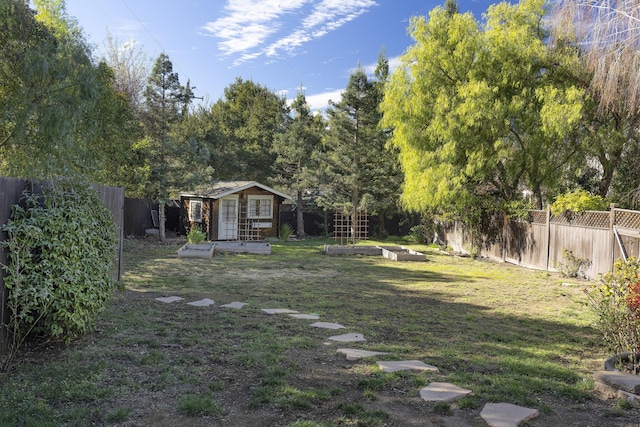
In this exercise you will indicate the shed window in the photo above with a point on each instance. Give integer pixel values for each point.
(195, 210)
(260, 207)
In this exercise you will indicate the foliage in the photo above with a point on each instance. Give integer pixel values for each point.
(615, 299)
(285, 231)
(572, 265)
(577, 201)
(196, 235)
(248, 118)
(60, 250)
(176, 159)
(295, 164)
(357, 168)
(480, 111)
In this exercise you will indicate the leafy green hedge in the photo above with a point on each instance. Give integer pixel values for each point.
(61, 250)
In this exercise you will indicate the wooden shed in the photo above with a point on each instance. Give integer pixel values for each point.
(234, 210)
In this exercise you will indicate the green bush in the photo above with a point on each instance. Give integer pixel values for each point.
(615, 298)
(577, 201)
(285, 231)
(195, 235)
(60, 252)
(572, 265)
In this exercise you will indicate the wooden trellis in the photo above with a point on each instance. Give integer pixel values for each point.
(350, 226)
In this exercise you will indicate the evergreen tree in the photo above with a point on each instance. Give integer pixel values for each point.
(294, 164)
(357, 169)
(171, 159)
(249, 118)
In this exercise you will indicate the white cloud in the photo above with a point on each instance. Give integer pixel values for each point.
(251, 29)
(320, 101)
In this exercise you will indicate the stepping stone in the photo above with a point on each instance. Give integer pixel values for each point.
(506, 414)
(328, 325)
(234, 304)
(355, 354)
(442, 392)
(406, 365)
(347, 338)
(169, 300)
(202, 303)
(278, 311)
(305, 316)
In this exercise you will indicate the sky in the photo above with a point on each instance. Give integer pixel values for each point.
(284, 45)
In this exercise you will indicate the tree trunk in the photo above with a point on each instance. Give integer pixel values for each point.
(161, 215)
(300, 217)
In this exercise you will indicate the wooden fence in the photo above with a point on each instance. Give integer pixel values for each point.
(10, 191)
(601, 237)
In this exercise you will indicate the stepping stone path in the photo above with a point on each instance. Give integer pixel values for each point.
(169, 300)
(305, 316)
(234, 304)
(278, 311)
(327, 325)
(355, 354)
(442, 392)
(347, 338)
(202, 303)
(406, 365)
(494, 414)
(506, 414)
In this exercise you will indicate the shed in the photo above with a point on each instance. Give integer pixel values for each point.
(234, 210)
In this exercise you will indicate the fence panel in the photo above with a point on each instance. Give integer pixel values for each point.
(541, 243)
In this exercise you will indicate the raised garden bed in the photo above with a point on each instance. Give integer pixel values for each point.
(201, 250)
(400, 253)
(395, 253)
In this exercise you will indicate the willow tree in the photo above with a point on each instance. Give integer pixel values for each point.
(478, 111)
(608, 34)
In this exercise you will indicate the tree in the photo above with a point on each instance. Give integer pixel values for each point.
(294, 148)
(174, 162)
(357, 169)
(605, 36)
(249, 117)
(47, 81)
(481, 113)
(130, 67)
(608, 34)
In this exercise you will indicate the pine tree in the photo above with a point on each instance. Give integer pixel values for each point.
(294, 164)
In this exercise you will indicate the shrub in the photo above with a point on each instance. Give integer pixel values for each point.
(572, 265)
(195, 235)
(615, 298)
(285, 231)
(60, 252)
(577, 201)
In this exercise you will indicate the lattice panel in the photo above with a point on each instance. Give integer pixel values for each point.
(627, 219)
(538, 217)
(350, 228)
(585, 219)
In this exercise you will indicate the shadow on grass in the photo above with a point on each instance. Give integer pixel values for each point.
(502, 332)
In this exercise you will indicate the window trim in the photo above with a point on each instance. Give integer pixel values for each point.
(192, 217)
(250, 212)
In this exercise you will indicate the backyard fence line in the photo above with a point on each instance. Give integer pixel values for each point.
(10, 191)
(599, 237)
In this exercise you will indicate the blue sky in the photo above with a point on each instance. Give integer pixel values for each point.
(281, 44)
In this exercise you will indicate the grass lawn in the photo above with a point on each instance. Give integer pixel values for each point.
(507, 333)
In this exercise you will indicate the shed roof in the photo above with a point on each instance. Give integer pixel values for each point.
(219, 189)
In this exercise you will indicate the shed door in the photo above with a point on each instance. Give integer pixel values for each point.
(228, 218)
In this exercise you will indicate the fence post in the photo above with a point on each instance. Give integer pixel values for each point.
(612, 223)
(548, 230)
